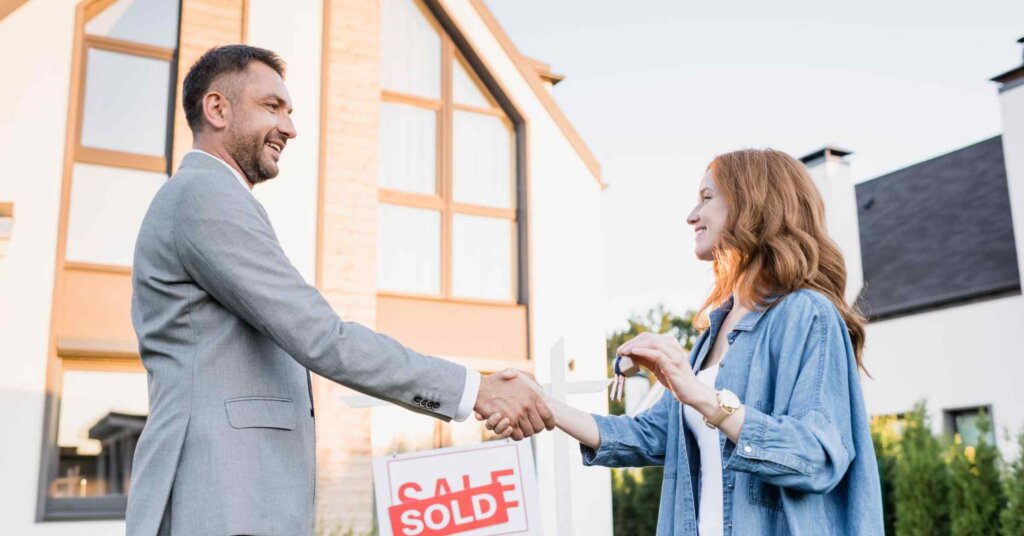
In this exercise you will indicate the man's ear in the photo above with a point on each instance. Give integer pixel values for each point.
(216, 109)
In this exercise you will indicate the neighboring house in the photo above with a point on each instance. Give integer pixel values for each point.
(941, 245)
(435, 192)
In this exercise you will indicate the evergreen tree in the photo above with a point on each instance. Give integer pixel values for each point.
(921, 487)
(885, 439)
(975, 492)
(1012, 516)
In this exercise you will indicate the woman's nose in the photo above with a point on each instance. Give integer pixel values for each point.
(693, 218)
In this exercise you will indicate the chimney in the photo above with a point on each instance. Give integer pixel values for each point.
(1011, 101)
(830, 170)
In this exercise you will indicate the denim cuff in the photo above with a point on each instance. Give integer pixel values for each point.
(609, 442)
(748, 446)
(750, 452)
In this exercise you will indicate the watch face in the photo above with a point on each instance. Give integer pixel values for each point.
(729, 399)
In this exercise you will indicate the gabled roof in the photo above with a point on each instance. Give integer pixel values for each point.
(937, 233)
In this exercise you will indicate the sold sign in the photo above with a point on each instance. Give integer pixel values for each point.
(486, 489)
(451, 513)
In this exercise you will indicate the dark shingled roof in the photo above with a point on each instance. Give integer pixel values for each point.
(937, 233)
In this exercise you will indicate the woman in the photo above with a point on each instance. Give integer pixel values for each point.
(770, 434)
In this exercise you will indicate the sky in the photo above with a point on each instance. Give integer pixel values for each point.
(657, 89)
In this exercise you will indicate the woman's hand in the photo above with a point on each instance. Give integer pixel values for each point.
(668, 360)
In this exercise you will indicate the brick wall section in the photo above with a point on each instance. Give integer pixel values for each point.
(204, 25)
(348, 245)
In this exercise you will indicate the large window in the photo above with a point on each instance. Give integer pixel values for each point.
(119, 141)
(447, 222)
(123, 129)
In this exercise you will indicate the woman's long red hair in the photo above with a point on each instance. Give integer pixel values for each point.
(775, 241)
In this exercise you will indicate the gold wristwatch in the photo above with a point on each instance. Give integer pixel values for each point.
(728, 403)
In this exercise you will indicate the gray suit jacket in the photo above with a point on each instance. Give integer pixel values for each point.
(227, 330)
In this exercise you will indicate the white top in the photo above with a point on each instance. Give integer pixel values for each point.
(709, 512)
(470, 389)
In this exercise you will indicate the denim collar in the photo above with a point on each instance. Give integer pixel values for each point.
(749, 320)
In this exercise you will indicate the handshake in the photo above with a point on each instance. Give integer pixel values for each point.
(513, 404)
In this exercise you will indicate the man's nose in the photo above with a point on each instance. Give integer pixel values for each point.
(287, 127)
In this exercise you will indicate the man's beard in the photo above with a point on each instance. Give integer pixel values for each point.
(247, 150)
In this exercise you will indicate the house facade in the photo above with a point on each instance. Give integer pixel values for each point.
(936, 253)
(435, 192)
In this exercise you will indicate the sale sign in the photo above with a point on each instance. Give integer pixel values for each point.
(488, 489)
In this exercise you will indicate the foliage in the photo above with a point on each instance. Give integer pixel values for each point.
(885, 436)
(921, 486)
(1011, 518)
(975, 492)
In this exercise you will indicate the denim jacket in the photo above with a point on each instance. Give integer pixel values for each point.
(804, 462)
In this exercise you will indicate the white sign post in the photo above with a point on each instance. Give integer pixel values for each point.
(486, 489)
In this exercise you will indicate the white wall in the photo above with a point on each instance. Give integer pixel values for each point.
(290, 198)
(969, 355)
(832, 177)
(567, 263)
(32, 129)
(1012, 103)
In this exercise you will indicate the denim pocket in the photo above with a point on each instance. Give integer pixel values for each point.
(760, 492)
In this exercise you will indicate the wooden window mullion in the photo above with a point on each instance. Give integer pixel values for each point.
(446, 147)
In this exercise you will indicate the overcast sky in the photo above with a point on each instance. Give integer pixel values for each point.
(657, 89)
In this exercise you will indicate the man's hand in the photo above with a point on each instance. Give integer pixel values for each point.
(513, 405)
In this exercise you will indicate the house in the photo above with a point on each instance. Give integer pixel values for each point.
(435, 192)
(939, 249)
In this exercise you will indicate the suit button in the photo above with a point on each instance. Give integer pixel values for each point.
(437, 405)
(417, 400)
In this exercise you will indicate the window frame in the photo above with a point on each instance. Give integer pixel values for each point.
(77, 356)
(949, 416)
(455, 49)
(92, 355)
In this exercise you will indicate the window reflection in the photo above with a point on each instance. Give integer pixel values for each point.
(102, 414)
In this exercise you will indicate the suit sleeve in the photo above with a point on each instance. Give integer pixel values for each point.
(231, 251)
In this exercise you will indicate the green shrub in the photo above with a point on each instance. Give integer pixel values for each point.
(1012, 517)
(921, 487)
(885, 436)
(975, 492)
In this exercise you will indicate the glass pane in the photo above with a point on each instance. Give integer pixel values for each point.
(481, 257)
(153, 22)
(967, 427)
(126, 103)
(395, 430)
(107, 207)
(409, 250)
(482, 160)
(408, 148)
(101, 417)
(410, 50)
(469, 432)
(465, 89)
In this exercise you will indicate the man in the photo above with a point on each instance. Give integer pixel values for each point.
(228, 331)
